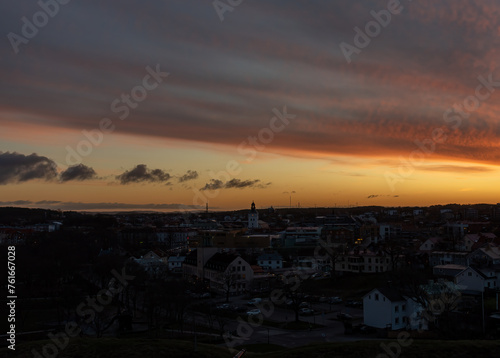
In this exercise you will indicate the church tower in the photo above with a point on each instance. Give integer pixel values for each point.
(253, 217)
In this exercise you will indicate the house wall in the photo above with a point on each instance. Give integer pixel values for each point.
(379, 313)
(471, 280)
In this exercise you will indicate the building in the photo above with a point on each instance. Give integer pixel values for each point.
(301, 236)
(388, 308)
(389, 232)
(271, 261)
(448, 257)
(175, 263)
(253, 217)
(430, 244)
(222, 271)
(363, 261)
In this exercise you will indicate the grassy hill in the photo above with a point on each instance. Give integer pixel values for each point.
(156, 348)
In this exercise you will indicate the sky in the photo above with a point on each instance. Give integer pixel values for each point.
(168, 105)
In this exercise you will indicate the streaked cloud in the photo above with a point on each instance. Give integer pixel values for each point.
(457, 168)
(234, 183)
(69, 205)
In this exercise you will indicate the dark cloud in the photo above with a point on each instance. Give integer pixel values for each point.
(378, 196)
(17, 168)
(240, 184)
(215, 184)
(141, 173)
(78, 172)
(48, 202)
(16, 202)
(190, 175)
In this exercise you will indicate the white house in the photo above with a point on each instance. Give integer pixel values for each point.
(219, 269)
(485, 256)
(175, 263)
(387, 308)
(430, 244)
(154, 263)
(471, 279)
(270, 261)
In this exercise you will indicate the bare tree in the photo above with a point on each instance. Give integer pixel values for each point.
(228, 280)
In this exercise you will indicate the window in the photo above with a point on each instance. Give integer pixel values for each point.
(239, 268)
(396, 321)
(369, 297)
(396, 308)
(233, 268)
(243, 276)
(369, 260)
(269, 262)
(403, 308)
(243, 268)
(376, 297)
(469, 273)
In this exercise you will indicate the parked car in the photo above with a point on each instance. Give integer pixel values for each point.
(223, 306)
(304, 305)
(306, 312)
(363, 328)
(344, 316)
(253, 312)
(323, 299)
(352, 303)
(254, 301)
(238, 309)
(205, 295)
(367, 329)
(335, 300)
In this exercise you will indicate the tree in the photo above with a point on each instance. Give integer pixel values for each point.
(328, 251)
(293, 290)
(228, 280)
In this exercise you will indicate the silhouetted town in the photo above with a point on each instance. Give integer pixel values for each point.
(338, 273)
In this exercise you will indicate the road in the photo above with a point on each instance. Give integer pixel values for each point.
(251, 330)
